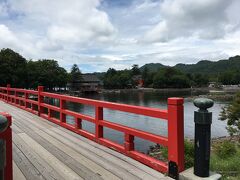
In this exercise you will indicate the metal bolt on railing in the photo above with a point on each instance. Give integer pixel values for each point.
(203, 121)
(3, 127)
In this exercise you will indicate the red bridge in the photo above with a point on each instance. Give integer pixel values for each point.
(50, 149)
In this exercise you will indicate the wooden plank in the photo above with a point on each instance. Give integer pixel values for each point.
(113, 168)
(16, 112)
(25, 165)
(35, 124)
(17, 173)
(139, 165)
(79, 157)
(148, 173)
(16, 129)
(107, 163)
(43, 167)
(89, 163)
(74, 165)
(61, 168)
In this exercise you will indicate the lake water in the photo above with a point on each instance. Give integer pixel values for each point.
(153, 125)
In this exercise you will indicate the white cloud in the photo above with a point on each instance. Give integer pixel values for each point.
(203, 19)
(7, 37)
(97, 37)
(60, 23)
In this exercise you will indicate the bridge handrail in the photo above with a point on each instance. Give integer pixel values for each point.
(6, 136)
(173, 114)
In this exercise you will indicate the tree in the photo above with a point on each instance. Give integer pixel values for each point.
(230, 77)
(170, 78)
(231, 113)
(47, 73)
(13, 68)
(135, 70)
(117, 79)
(200, 80)
(75, 75)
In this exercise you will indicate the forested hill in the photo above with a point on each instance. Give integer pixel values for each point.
(153, 67)
(203, 67)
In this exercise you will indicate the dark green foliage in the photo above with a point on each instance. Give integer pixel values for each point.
(231, 113)
(230, 77)
(47, 73)
(225, 159)
(188, 153)
(225, 149)
(147, 77)
(135, 70)
(13, 68)
(153, 67)
(117, 79)
(19, 72)
(222, 71)
(199, 80)
(164, 78)
(75, 74)
(211, 67)
(170, 78)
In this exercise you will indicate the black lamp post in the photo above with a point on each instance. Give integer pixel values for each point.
(203, 121)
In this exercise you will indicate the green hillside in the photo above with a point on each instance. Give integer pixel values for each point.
(153, 67)
(211, 67)
(204, 66)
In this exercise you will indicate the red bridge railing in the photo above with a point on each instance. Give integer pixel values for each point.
(173, 114)
(6, 171)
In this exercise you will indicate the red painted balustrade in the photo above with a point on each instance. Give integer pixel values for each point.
(22, 98)
(6, 135)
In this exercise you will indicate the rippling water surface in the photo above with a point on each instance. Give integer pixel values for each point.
(153, 125)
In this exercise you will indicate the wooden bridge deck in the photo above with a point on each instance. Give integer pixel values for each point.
(44, 150)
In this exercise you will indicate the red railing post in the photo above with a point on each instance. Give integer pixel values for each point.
(26, 98)
(78, 123)
(8, 91)
(40, 100)
(174, 116)
(62, 107)
(98, 117)
(175, 135)
(16, 100)
(7, 137)
(129, 142)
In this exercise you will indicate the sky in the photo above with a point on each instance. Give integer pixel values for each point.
(99, 34)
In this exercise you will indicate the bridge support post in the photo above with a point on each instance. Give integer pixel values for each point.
(98, 117)
(6, 171)
(175, 137)
(8, 91)
(62, 107)
(26, 98)
(129, 142)
(203, 120)
(40, 100)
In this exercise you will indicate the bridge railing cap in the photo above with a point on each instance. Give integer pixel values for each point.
(203, 103)
(175, 101)
(3, 123)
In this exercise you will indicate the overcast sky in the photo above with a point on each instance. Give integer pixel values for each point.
(98, 34)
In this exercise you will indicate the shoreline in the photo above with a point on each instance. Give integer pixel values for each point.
(204, 89)
(156, 151)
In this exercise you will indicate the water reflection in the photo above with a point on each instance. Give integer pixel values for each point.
(153, 125)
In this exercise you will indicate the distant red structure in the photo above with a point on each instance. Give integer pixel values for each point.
(173, 115)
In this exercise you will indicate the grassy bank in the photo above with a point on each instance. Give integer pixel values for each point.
(225, 159)
(225, 156)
